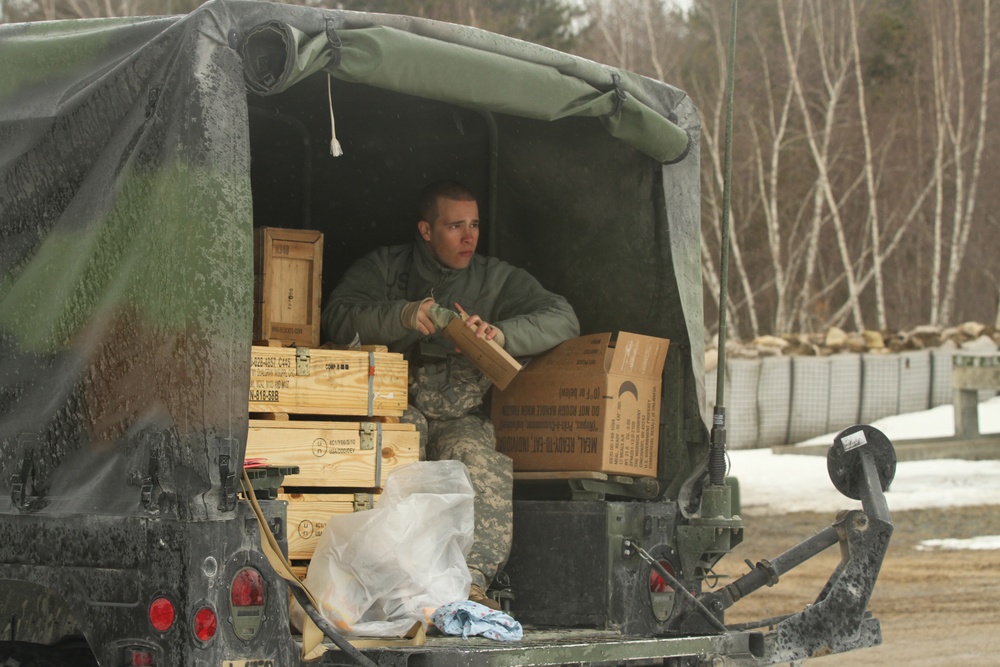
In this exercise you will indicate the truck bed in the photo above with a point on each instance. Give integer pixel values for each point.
(541, 646)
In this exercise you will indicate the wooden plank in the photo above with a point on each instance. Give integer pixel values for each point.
(308, 516)
(486, 355)
(270, 343)
(559, 474)
(327, 382)
(334, 454)
(271, 416)
(287, 285)
(284, 416)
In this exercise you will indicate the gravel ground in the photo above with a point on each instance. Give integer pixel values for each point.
(936, 607)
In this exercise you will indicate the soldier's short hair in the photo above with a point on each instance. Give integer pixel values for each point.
(427, 202)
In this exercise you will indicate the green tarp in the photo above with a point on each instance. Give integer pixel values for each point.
(126, 215)
(429, 68)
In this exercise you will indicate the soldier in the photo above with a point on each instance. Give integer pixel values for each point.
(395, 295)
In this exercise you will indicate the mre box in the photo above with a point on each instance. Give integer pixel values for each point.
(590, 404)
(287, 267)
(306, 381)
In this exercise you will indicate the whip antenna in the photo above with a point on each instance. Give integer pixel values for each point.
(717, 457)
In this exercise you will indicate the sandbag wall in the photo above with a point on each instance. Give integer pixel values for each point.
(779, 400)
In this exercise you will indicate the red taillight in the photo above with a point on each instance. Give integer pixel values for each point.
(142, 658)
(161, 616)
(247, 597)
(247, 589)
(205, 624)
(657, 584)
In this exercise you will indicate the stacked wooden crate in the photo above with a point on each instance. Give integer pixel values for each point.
(331, 413)
(287, 270)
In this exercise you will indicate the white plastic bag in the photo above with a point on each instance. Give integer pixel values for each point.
(377, 570)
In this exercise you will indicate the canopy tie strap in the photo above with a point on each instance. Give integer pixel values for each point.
(335, 148)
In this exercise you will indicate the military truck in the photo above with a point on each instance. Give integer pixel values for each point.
(138, 155)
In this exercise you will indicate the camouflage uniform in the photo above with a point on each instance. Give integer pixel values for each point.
(472, 440)
(449, 395)
(446, 391)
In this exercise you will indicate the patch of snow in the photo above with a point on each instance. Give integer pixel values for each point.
(773, 484)
(984, 543)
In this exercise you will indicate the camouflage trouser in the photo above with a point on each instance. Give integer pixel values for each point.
(472, 440)
(445, 399)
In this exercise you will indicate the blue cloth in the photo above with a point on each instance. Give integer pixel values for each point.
(468, 618)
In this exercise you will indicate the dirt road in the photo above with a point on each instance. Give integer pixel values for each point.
(936, 607)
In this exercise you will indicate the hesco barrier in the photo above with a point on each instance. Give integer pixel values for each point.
(784, 400)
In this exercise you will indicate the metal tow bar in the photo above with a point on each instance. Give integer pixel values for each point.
(861, 464)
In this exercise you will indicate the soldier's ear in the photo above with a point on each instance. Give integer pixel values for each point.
(425, 230)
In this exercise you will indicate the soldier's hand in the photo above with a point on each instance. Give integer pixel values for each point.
(416, 315)
(483, 329)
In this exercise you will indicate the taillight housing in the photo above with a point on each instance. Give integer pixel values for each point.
(129, 653)
(247, 596)
(657, 584)
(162, 614)
(205, 623)
(138, 657)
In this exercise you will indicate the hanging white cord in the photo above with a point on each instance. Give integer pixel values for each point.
(335, 149)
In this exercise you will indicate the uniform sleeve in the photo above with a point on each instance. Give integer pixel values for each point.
(533, 319)
(361, 305)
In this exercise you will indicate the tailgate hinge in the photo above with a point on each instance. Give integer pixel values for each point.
(227, 477)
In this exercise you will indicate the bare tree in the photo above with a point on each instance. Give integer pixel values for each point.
(713, 142)
(781, 239)
(835, 62)
(956, 118)
(873, 221)
(836, 185)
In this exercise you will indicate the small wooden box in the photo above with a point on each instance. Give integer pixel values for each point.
(334, 454)
(486, 355)
(288, 268)
(309, 513)
(327, 382)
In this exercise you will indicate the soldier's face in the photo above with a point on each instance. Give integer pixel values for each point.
(452, 238)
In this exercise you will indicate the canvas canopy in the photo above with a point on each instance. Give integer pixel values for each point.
(276, 55)
(127, 208)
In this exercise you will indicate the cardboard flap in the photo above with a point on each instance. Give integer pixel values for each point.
(577, 354)
(638, 355)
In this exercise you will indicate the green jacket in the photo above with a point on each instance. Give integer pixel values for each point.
(370, 297)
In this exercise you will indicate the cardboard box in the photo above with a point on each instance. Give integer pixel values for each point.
(334, 454)
(327, 382)
(309, 513)
(288, 268)
(590, 404)
(486, 355)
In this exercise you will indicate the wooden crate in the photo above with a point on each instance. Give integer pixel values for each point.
(309, 513)
(327, 382)
(334, 454)
(486, 355)
(288, 267)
